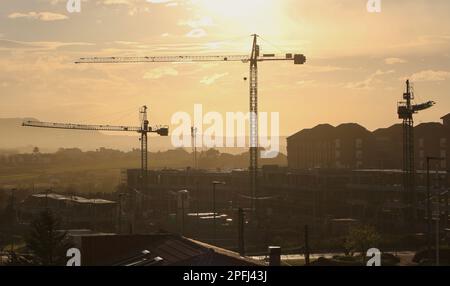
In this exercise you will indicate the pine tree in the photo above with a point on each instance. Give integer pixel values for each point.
(46, 242)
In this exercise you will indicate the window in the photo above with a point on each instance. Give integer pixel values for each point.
(359, 154)
(359, 164)
(337, 154)
(421, 142)
(337, 143)
(359, 143)
(421, 154)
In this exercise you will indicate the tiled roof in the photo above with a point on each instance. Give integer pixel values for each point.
(171, 250)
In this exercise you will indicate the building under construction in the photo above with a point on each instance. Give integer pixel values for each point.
(351, 146)
(333, 173)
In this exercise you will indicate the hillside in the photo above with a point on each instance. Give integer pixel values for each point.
(16, 138)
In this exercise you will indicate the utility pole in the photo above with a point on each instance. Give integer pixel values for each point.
(13, 217)
(428, 208)
(429, 213)
(437, 226)
(46, 198)
(119, 217)
(241, 227)
(214, 183)
(446, 209)
(306, 246)
(194, 145)
(121, 195)
(182, 215)
(181, 196)
(438, 218)
(197, 201)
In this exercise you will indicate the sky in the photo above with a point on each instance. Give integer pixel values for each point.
(357, 61)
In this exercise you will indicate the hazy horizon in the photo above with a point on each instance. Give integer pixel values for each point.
(356, 61)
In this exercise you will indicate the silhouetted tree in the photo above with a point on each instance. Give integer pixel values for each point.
(36, 150)
(48, 245)
(361, 238)
(17, 260)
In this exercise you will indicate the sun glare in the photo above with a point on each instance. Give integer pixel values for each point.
(236, 8)
(243, 16)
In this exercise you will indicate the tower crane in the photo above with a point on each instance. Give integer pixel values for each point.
(406, 109)
(143, 130)
(253, 59)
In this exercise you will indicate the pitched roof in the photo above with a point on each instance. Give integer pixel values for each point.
(160, 249)
(445, 116)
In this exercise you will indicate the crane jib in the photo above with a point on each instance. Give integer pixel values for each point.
(297, 58)
(160, 130)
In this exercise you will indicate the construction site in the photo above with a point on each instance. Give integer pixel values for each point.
(336, 178)
(326, 146)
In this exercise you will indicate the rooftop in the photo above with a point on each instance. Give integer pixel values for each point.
(76, 199)
(157, 249)
(447, 116)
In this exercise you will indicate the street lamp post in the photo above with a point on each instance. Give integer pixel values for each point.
(121, 210)
(214, 183)
(437, 227)
(429, 214)
(183, 194)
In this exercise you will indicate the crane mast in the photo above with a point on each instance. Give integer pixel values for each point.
(406, 110)
(253, 59)
(253, 168)
(144, 146)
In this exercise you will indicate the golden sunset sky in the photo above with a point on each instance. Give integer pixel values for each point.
(357, 61)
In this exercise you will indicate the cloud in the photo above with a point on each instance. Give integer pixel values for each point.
(425, 41)
(172, 4)
(430, 75)
(127, 43)
(42, 16)
(6, 44)
(196, 33)
(160, 72)
(208, 80)
(116, 2)
(168, 3)
(323, 69)
(55, 2)
(160, 1)
(197, 23)
(133, 6)
(306, 82)
(369, 81)
(393, 61)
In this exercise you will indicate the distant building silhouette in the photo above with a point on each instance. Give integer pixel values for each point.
(351, 146)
